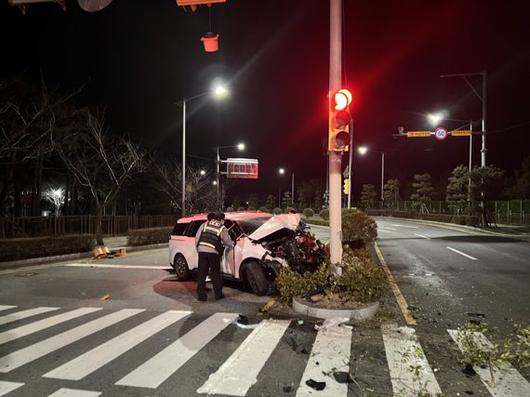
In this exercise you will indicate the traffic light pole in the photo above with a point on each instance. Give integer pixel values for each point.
(350, 160)
(335, 160)
(217, 179)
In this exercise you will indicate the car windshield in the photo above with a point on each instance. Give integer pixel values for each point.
(249, 225)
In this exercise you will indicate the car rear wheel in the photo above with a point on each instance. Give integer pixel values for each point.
(182, 271)
(256, 278)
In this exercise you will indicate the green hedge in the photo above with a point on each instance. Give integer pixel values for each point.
(33, 247)
(324, 214)
(309, 213)
(154, 235)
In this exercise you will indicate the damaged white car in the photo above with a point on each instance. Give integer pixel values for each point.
(263, 245)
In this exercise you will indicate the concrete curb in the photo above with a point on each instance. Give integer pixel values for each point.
(70, 257)
(311, 310)
(460, 228)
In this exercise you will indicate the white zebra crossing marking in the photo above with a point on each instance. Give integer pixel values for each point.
(65, 392)
(6, 307)
(240, 371)
(39, 349)
(94, 359)
(330, 353)
(9, 318)
(36, 326)
(156, 370)
(508, 381)
(410, 372)
(7, 387)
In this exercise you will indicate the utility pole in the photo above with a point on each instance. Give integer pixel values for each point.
(382, 178)
(217, 178)
(483, 149)
(183, 157)
(335, 160)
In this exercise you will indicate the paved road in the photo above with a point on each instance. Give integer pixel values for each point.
(447, 274)
(151, 338)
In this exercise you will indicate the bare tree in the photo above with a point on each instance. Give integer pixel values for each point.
(56, 196)
(200, 193)
(100, 163)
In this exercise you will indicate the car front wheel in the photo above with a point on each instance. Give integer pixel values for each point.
(182, 271)
(256, 278)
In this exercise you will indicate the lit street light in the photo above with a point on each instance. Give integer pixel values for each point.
(218, 91)
(203, 172)
(281, 171)
(362, 151)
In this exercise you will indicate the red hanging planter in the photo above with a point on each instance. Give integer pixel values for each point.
(210, 41)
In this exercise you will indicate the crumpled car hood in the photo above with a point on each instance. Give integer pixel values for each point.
(277, 222)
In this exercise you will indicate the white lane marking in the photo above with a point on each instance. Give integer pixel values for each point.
(462, 253)
(9, 318)
(410, 372)
(65, 392)
(109, 266)
(94, 359)
(36, 326)
(46, 346)
(508, 381)
(405, 226)
(6, 307)
(387, 228)
(7, 387)
(330, 353)
(156, 370)
(422, 236)
(240, 371)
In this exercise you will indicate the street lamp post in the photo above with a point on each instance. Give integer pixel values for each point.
(362, 151)
(483, 99)
(240, 147)
(281, 171)
(218, 91)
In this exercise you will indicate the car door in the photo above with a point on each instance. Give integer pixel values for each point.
(189, 250)
(232, 257)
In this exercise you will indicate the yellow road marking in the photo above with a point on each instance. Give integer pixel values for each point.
(402, 303)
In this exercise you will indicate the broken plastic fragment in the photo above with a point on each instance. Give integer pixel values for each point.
(342, 377)
(105, 297)
(331, 323)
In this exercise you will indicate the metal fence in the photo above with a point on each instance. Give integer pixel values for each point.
(508, 212)
(112, 225)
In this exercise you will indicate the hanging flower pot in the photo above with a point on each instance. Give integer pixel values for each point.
(210, 41)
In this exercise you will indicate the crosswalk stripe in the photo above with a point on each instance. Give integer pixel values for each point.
(94, 359)
(240, 371)
(508, 382)
(40, 349)
(65, 392)
(36, 326)
(330, 353)
(6, 307)
(7, 387)
(410, 372)
(9, 318)
(156, 370)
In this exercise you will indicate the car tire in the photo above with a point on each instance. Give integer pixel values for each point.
(255, 278)
(182, 271)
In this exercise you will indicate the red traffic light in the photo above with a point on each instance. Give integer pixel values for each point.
(342, 99)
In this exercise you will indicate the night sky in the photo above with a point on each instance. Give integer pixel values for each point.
(138, 57)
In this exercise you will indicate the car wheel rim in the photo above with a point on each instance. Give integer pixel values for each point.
(180, 267)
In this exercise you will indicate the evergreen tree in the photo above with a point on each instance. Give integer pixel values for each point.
(521, 187)
(423, 191)
(286, 200)
(391, 193)
(368, 196)
(271, 202)
(253, 201)
(457, 190)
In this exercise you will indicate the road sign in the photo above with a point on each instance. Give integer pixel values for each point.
(241, 168)
(418, 134)
(440, 134)
(461, 133)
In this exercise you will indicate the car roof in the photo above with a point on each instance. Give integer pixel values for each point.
(233, 216)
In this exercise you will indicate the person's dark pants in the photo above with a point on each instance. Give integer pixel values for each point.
(209, 263)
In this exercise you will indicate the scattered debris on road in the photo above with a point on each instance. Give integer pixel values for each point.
(331, 323)
(25, 274)
(342, 377)
(105, 297)
(315, 385)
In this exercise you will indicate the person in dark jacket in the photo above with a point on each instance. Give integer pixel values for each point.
(211, 240)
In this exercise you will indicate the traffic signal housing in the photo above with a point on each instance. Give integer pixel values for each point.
(339, 121)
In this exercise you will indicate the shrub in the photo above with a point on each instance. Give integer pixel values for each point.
(264, 209)
(287, 209)
(324, 214)
(148, 236)
(309, 213)
(230, 209)
(32, 247)
(356, 225)
(292, 284)
(277, 211)
(363, 279)
(241, 209)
